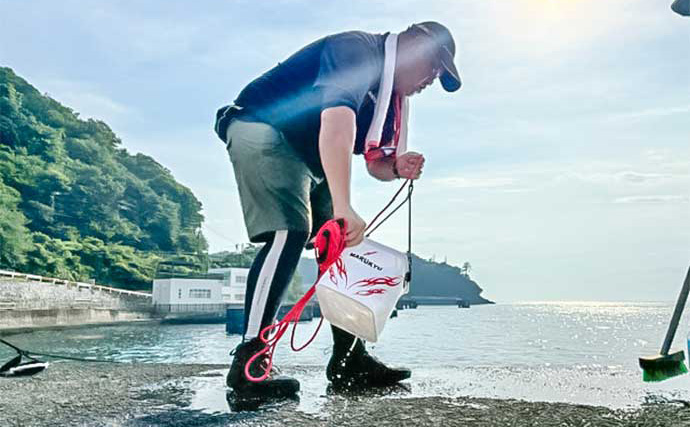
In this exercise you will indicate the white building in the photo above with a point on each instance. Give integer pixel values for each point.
(187, 292)
(235, 283)
(207, 294)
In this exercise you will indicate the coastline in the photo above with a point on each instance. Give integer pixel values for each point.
(9, 331)
(164, 394)
(29, 320)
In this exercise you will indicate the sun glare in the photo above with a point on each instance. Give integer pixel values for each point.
(544, 26)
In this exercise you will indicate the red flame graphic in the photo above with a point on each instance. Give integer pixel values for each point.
(375, 281)
(342, 272)
(340, 265)
(331, 275)
(367, 289)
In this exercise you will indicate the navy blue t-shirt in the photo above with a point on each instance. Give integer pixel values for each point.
(338, 70)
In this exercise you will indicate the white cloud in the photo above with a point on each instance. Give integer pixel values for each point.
(650, 113)
(610, 174)
(87, 100)
(653, 199)
(518, 190)
(474, 182)
(657, 154)
(638, 177)
(141, 36)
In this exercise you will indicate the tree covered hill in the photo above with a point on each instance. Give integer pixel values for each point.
(439, 279)
(75, 204)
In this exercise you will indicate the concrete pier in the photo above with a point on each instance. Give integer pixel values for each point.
(134, 395)
(33, 302)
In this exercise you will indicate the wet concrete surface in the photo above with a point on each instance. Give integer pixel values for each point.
(78, 394)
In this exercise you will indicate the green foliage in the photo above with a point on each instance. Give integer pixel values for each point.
(241, 258)
(75, 204)
(14, 236)
(466, 267)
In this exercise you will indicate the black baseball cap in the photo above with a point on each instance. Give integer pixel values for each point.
(681, 7)
(450, 79)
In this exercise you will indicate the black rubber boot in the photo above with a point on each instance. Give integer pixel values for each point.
(274, 387)
(351, 366)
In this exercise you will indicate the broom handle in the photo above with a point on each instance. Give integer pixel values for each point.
(677, 313)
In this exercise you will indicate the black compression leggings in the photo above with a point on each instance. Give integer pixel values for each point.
(269, 277)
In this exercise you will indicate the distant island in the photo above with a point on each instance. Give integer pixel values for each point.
(430, 279)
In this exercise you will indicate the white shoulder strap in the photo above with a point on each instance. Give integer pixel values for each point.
(384, 94)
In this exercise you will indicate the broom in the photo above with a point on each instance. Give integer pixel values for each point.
(664, 365)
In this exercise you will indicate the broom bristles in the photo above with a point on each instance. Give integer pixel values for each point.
(664, 371)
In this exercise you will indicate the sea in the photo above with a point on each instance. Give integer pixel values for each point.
(574, 352)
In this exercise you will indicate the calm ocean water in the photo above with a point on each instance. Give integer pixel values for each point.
(557, 352)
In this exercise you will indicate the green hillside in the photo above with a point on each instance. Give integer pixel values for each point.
(75, 204)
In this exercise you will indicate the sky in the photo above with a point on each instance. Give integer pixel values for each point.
(560, 171)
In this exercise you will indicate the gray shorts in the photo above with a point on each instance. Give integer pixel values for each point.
(277, 189)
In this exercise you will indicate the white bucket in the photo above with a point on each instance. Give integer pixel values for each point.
(359, 291)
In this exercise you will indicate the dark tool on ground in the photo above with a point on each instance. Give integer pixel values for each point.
(19, 368)
(33, 366)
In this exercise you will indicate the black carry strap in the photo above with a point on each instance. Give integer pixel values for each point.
(408, 199)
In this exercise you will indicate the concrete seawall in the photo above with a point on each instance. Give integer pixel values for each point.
(31, 304)
(19, 319)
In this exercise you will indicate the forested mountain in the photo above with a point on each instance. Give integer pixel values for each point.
(75, 204)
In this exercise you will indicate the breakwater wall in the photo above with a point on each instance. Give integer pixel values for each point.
(26, 319)
(31, 303)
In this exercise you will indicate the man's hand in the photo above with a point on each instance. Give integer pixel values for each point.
(355, 225)
(410, 165)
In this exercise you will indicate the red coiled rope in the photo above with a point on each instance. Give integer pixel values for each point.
(328, 245)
